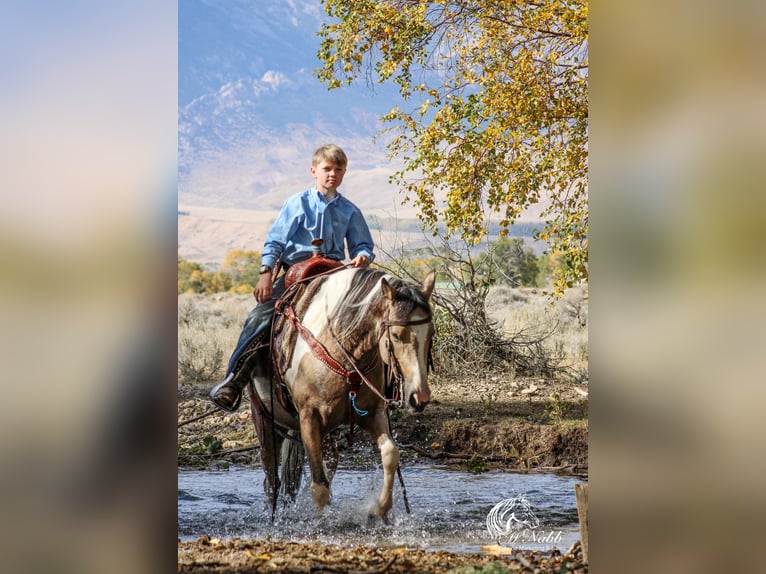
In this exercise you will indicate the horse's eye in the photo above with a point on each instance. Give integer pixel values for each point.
(396, 337)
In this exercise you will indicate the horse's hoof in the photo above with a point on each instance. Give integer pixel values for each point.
(373, 518)
(320, 494)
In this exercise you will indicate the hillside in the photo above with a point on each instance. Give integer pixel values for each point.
(207, 234)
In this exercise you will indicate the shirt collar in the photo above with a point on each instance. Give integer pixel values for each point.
(321, 198)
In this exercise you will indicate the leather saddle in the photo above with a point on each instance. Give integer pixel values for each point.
(311, 267)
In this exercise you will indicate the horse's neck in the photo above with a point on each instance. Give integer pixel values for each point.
(363, 340)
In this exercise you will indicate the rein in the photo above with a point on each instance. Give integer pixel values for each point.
(355, 376)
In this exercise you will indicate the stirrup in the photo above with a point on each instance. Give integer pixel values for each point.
(227, 382)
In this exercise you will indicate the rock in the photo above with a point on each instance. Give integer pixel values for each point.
(531, 390)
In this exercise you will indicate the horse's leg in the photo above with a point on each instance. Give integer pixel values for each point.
(389, 455)
(312, 443)
(269, 446)
(330, 454)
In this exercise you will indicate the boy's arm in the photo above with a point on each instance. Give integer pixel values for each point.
(360, 261)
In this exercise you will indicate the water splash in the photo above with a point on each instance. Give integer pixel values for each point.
(449, 508)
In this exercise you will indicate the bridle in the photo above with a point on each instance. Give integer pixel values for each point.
(395, 376)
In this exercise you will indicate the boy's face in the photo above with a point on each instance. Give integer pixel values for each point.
(329, 176)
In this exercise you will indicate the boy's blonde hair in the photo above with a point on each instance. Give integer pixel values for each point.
(330, 153)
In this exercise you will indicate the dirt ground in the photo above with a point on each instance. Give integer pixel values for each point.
(528, 425)
(250, 556)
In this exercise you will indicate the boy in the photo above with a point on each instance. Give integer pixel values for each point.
(317, 213)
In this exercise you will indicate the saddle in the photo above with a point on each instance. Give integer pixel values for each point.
(311, 267)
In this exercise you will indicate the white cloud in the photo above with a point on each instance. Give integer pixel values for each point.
(228, 95)
(293, 17)
(274, 79)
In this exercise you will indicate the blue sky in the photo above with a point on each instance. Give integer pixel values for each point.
(251, 112)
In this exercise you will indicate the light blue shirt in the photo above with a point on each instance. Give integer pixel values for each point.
(308, 215)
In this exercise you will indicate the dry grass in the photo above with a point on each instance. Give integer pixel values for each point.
(209, 326)
(520, 310)
(208, 329)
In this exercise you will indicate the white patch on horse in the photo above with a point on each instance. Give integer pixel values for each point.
(325, 302)
(323, 305)
(421, 336)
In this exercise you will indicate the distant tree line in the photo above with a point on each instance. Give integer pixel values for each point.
(507, 261)
(238, 274)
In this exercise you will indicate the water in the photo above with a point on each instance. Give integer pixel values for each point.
(449, 509)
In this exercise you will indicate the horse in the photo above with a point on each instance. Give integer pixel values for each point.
(335, 339)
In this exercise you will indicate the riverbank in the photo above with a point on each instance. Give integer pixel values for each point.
(522, 425)
(250, 556)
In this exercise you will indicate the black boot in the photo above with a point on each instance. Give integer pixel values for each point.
(227, 394)
(253, 344)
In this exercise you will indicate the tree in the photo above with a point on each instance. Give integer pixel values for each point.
(219, 281)
(190, 277)
(497, 108)
(244, 267)
(193, 278)
(467, 340)
(509, 261)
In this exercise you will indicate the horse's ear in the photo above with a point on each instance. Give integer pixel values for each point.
(388, 291)
(428, 284)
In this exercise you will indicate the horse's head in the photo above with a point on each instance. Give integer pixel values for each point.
(523, 514)
(406, 343)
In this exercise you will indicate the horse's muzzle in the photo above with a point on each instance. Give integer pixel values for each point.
(419, 400)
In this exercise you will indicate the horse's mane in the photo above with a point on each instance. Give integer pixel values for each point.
(364, 293)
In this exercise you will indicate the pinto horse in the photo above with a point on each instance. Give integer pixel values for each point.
(336, 338)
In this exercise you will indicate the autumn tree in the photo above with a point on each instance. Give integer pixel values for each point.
(244, 267)
(191, 277)
(494, 117)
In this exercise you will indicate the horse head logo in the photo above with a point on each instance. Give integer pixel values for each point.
(510, 515)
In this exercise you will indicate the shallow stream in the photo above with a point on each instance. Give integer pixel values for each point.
(449, 509)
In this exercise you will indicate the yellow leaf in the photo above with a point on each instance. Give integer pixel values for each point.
(496, 549)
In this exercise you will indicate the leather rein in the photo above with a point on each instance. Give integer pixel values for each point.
(393, 363)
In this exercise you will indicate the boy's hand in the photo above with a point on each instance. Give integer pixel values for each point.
(263, 289)
(360, 261)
